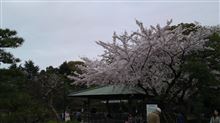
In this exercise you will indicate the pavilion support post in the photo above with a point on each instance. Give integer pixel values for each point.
(144, 112)
(107, 105)
(88, 115)
(108, 111)
(129, 105)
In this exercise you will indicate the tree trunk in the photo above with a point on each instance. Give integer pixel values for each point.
(54, 110)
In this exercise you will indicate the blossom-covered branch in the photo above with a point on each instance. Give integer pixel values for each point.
(150, 58)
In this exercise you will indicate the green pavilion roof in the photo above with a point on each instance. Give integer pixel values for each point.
(109, 90)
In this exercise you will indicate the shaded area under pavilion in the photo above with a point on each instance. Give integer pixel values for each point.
(114, 97)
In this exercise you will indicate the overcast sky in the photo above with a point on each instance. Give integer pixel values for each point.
(55, 32)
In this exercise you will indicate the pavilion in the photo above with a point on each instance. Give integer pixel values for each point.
(116, 94)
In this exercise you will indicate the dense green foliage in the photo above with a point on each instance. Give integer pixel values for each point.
(16, 103)
(205, 67)
(29, 95)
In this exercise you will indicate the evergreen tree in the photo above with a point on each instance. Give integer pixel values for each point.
(8, 39)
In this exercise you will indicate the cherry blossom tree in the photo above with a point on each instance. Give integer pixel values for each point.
(151, 58)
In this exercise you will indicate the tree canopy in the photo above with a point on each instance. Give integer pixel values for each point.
(152, 58)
